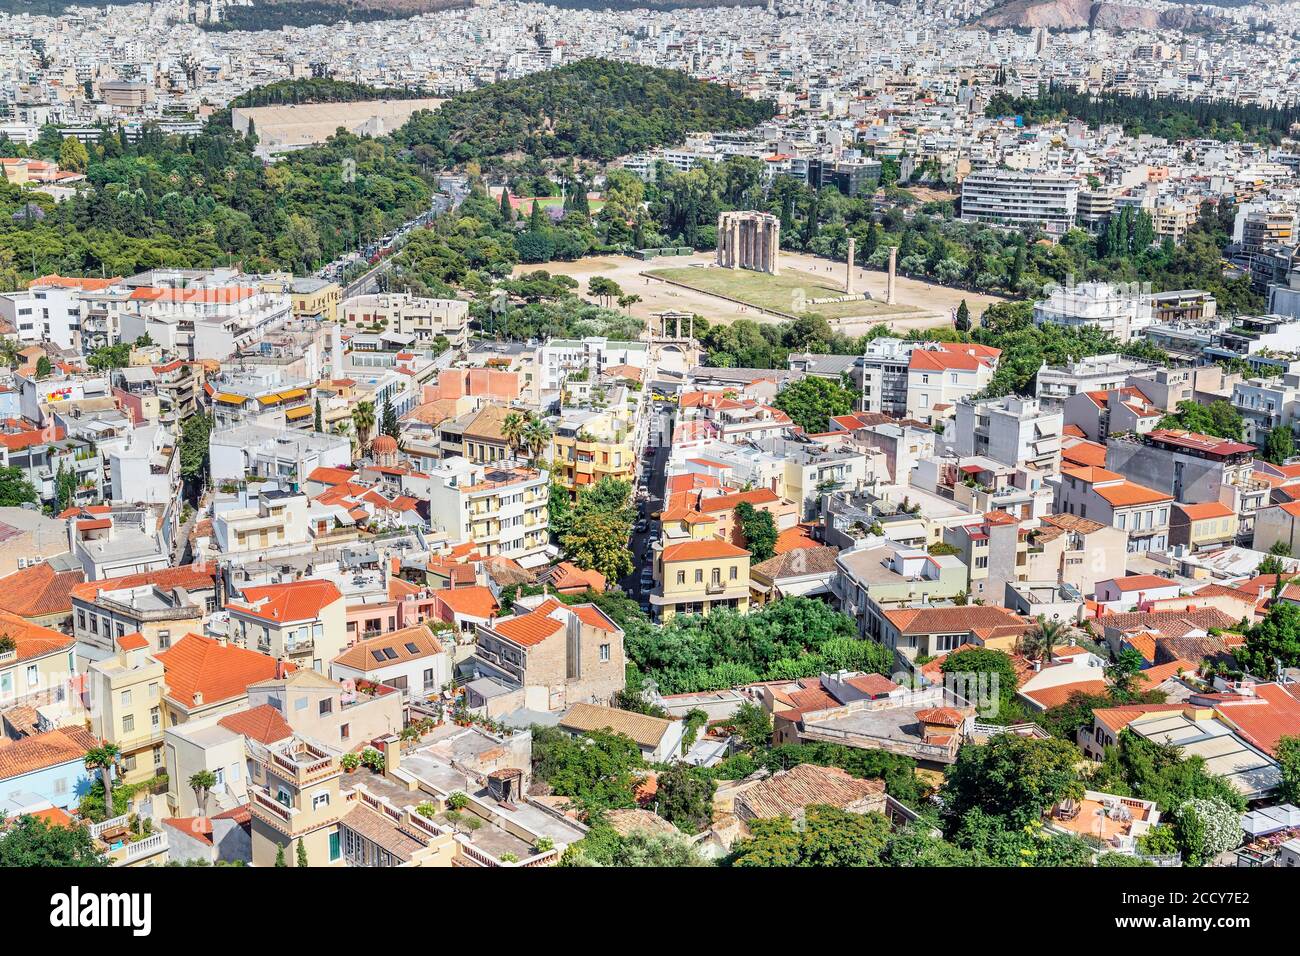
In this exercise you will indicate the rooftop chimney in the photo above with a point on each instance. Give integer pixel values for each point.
(198, 698)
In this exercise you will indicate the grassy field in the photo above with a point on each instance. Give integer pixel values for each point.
(787, 293)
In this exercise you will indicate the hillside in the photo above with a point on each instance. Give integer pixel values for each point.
(594, 109)
(1085, 14)
(274, 14)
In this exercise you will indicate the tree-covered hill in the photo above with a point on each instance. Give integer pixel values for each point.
(319, 90)
(594, 109)
(207, 199)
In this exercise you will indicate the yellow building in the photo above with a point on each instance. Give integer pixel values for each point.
(590, 446)
(315, 299)
(696, 577)
(126, 706)
(295, 797)
(36, 663)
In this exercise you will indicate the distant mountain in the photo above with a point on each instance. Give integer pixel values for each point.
(274, 14)
(1099, 14)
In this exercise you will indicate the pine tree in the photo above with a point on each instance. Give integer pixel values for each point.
(962, 322)
(389, 424)
(279, 856)
(507, 210)
(302, 854)
(536, 218)
(317, 421)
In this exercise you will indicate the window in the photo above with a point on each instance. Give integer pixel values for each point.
(326, 706)
(157, 757)
(153, 691)
(345, 731)
(33, 677)
(699, 575)
(128, 762)
(128, 724)
(681, 577)
(335, 849)
(735, 572)
(320, 800)
(155, 717)
(164, 640)
(428, 679)
(604, 652)
(126, 698)
(81, 619)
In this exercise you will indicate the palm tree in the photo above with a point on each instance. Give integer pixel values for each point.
(537, 435)
(202, 783)
(104, 758)
(363, 419)
(1045, 639)
(512, 429)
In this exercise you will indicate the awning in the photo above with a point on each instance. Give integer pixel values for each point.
(302, 411)
(227, 399)
(292, 394)
(804, 588)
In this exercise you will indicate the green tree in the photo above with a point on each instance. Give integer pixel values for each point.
(752, 725)
(1287, 752)
(31, 842)
(962, 321)
(363, 420)
(1218, 418)
(195, 432)
(1206, 828)
(983, 671)
(389, 425)
(604, 846)
(15, 489)
(594, 769)
(1273, 641)
(759, 531)
(202, 784)
(105, 759)
(1279, 445)
(43, 368)
(828, 836)
(301, 854)
(73, 155)
(279, 855)
(685, 798)
(1011, 778)
(811, 402)
(598, 542)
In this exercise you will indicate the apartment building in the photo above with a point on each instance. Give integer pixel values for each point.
(1056, 384)
(941, 374)
(1267, 402)
(112, 541)
(501, 510)
(1121, 313)
(1110, 498)
(871, 578)
(411, 659)
(590, 446)
(552, 655)
(1019, 198)
(304, 622)
(1011, 430)
(126, 707)
(698, 577)
(50, 309)
(345, 714)
(425, 319)
(36, 663)
(276, 519)
(252, 451)
(1194, 468)
(559, 360)
(161, 606)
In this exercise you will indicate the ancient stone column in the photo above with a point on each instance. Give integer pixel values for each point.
(893, 266)
(848, 272)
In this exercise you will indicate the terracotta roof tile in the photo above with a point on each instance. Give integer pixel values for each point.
(198, 664)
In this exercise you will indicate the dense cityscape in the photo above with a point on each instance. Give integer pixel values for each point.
(757, 434)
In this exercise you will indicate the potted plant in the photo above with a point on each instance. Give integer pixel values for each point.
(350, 762)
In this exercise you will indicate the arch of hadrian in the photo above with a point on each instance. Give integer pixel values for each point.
(749, 240)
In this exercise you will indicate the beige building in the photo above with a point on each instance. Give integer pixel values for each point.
(126, 707)
(208, 678)
(161, 606)
(558, 654)
(304, 622)
(27, 537)
(696, 577)
(343, 715)
(426, 319)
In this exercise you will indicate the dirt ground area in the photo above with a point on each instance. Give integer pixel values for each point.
(919, 304)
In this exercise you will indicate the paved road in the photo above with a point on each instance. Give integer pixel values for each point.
(639, 544)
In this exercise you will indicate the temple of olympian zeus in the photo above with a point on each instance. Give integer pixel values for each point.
(749, 240)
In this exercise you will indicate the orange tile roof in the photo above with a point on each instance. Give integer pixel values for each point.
(39, 751)
(1131, 493)
(1272, 714)
(1143, 582)
(360, 656)
(710, 550)
(759, 496)
(38, 590)
(219, 672)
(568, 576)
(290, 601)
(132, 642)
(33, 640)
(1091, 474)
(529, 630)
(1049, 697)
(473, 601)
(1086, 453)
(331, 476)
(793, 539)
(1212, 509)
(263, 723)
(191, 577)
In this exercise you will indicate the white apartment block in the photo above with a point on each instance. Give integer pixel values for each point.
(501, 509)
(1056, 384)
(1011, 430)
(1021, 198)
(559, 358)
(1117, 311)
(426, 319)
